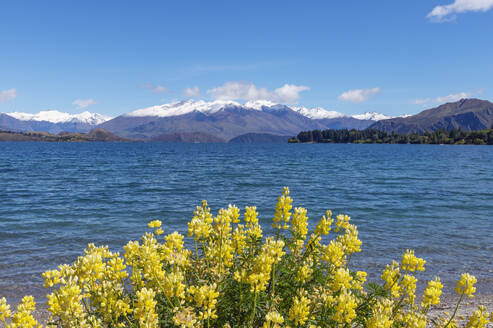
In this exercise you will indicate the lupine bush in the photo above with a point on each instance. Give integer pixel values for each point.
(234, 276)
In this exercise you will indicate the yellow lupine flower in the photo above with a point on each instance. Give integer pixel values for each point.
(390, 276)
(360, 280)
(345, 307)
(479, 318)
(200, 226)
(431, 295)
(415, 320)
(466, 285)
(381, 315)
(273, 319)
(186, 318)
(408, 287)
(300, 310)
(412, 263)
(342, 222)
(299, 224)
(144, 310)
(206, 298)
(154, 224)
(334, 254)
(23, 317)
(324, 225)
(283, 210)
(173, 285)
(4, 310)
(304, 272)
(350, 239)
(342, 279)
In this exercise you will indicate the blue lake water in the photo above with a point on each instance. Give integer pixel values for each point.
(55, 198)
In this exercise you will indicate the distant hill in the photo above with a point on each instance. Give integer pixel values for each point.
(96, 135)
(465, 114)
(259, 138)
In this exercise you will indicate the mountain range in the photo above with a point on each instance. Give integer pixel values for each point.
(466, 114)
(51, 121)
(222, 121)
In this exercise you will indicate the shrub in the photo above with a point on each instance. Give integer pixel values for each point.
(236, 277)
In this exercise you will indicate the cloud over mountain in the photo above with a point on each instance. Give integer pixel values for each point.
(83, 103)
(236, 90)
(7, 95)
(192, 92)
(358, 95)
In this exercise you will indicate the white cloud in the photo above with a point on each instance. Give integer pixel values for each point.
(83, 103)
(233, 90)
(192, 92)
(7, 95)
(154, 88)
(447, 12)
(358, 95)
(453, 97)
(422, 101)
(448, 98)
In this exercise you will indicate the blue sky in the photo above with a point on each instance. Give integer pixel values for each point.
(113, 57)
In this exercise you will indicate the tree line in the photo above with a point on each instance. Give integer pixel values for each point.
(451, 137)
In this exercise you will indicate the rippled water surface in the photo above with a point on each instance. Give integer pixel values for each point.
(55, 198)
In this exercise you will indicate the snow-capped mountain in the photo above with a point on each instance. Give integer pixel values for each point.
(226, 120)
(51, 121)
(204, 107)
(183, 107)
(317, 113)
(373, 116)
(54, 116)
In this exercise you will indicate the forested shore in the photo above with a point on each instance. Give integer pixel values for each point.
(452, 137)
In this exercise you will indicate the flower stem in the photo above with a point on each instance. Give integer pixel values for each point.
(455, 311)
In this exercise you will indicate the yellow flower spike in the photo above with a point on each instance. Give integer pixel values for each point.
(350, 240)
(412, 263)
(4, 309)
(283, 210)
(206, 298)
(408, 287)
(144, 310)
(155, 224)
(305, 272)
(390, 276)
(479, 318)
(342, 279)
(345, 307)
(360, 280)
(186, 318)
(200, 226)
(300, 310)
(234, 213)
(334, 254)
(342, 222)
(299, 224)
(381, 315)
(466, 285)
(324, 225)
(431, 295)
(273, 319)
